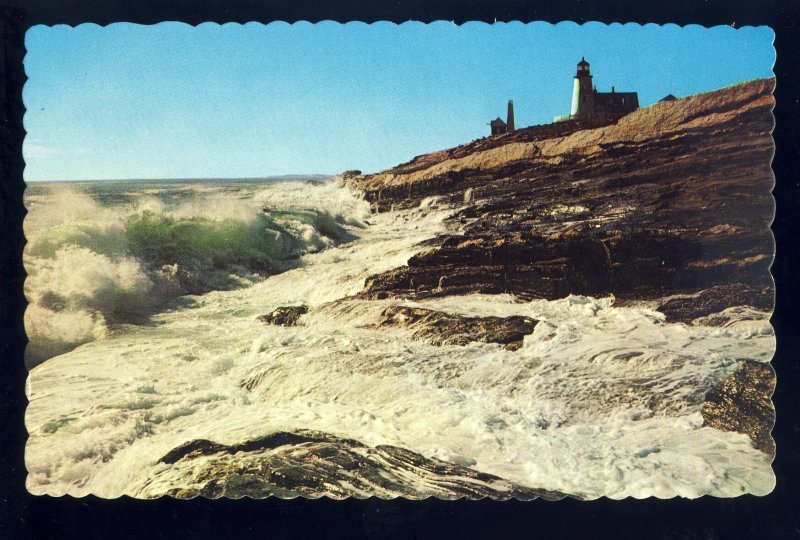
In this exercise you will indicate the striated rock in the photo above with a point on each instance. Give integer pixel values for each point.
(437, 172)
(313, 464)
(284, 316)
(203, 447)
(441, 328)
(639, 264)
(742, 403)
(672, 199)
(716, 299)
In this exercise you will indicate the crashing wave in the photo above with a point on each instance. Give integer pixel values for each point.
(90, 266)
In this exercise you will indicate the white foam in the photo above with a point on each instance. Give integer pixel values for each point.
(600, 400)
(81, 267)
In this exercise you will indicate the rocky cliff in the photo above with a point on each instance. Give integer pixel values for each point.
(671, 199)
(669, 205)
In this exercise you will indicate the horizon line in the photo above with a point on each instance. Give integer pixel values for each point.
(187, 179)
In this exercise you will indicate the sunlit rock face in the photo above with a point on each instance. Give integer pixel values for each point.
(441, 328)
(313, 464)
(742, 403)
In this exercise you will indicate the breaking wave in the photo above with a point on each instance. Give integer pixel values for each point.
(90, 265)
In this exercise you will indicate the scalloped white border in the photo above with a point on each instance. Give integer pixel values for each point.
(513, 22)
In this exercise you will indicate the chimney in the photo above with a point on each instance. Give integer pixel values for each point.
(510, 119)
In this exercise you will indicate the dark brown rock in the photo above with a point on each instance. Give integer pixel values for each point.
(441, 328)
(717, 299)
(637, 264)
(743, 403)
(313, 464)
(284, 316)
(203, 447)
(671, 199)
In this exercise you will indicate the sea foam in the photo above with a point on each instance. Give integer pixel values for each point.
(601, 400)
(91, 264)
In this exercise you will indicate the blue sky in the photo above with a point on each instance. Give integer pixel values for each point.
(216, 101)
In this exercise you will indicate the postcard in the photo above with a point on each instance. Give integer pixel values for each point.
(506, 260)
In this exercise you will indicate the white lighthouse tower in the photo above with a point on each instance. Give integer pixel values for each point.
(582, 92)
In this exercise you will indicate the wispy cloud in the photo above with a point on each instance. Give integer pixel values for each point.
(33, 150)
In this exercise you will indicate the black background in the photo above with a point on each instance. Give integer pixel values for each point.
(25, 516)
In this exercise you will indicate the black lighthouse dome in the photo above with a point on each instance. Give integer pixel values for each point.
(583, 67)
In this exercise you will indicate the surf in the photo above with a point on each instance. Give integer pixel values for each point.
(92, 265)
(599, 400)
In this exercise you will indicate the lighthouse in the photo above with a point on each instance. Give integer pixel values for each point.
(589, 104)
(582, 92)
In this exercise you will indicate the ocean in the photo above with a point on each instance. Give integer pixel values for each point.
(143, 330)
